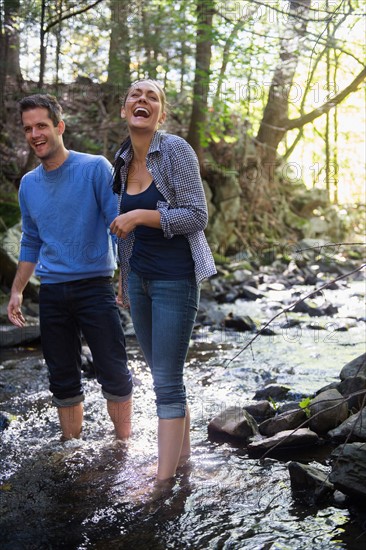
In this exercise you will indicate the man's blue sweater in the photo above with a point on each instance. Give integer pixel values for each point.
(66, 215)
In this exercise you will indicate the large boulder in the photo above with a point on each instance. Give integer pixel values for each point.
(354, 389)
(356, 367)
(303, 437)
(281, 422)
(235, 422)
(272, 391)
(260, 410)
(327, 411)
(11, 335)
(349, 470)
(226, 203)
(9, 253)
(309, 483)
(352, 429)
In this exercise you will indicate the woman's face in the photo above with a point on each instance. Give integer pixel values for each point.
(143, 107)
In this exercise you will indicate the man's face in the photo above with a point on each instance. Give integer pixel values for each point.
(43, 137)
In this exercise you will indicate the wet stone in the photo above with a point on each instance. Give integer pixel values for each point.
(349, 470)
(233, 421)
(281, 422)
(250, 293)
(327, 410)
(240, 323)
(288, 406)
(11, 335)
(309, 482)
(352, 429)
(288, 438)
(260, 410)
(273, 391)
(5, 419)
(356, 367)
(314, 311)
(354, 389)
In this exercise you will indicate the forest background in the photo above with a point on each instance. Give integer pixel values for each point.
(270, 94)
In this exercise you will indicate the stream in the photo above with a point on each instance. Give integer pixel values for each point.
(93, 493)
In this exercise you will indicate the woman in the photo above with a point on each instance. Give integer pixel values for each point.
(164, 256)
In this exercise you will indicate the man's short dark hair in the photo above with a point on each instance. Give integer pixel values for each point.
(43, 101)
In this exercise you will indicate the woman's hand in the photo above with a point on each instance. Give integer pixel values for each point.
(124, 224)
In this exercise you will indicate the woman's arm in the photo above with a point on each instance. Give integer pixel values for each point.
(186, 208)
(125, 223)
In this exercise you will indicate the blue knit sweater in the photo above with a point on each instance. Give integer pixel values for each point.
(66, 215)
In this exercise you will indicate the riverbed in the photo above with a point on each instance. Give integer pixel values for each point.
(94, 493)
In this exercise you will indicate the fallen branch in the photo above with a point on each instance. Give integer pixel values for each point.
(285, 310)
(329, 245)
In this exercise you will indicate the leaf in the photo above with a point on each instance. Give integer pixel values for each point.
(304, 404)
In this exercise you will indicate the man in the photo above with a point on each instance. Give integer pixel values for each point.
(67, 206)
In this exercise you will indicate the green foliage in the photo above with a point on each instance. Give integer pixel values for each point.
(304, 405)
(246, 40)
(220, 259)
(273, 403)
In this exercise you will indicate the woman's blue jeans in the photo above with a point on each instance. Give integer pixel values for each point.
(163, 315)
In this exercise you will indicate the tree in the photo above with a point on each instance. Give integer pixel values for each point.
(273, 125)
(229, 70)
(52, 16)
(9, 48)
(205, 12)
(276, 122)
(119, 59)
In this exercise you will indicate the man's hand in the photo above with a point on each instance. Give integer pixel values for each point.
(14, 310)
(22, 276)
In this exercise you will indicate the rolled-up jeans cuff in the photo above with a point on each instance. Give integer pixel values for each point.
(69, 401)
(116, 398)
(173, 410)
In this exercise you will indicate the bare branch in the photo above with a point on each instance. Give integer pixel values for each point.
(70, 14)
(326, 107)
(292, 306)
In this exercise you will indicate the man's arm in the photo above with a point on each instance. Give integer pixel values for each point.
(22, 276)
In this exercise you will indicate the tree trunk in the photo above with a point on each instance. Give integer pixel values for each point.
(275, 116)
(2, 70)
(9, 50)
(42, 45)
(58, 43)
(11, 9)
(119, 57)
(151, 24)
(205, 10)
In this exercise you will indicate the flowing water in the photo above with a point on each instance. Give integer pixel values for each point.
(94, 494)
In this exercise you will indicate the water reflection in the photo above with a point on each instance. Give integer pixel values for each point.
(96, 494)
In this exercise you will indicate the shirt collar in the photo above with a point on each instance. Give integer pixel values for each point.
(126, 154)
(155, 142)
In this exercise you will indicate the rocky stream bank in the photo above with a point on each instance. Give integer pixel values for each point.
(319, 435)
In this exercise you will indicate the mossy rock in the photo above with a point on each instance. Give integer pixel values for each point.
(292, 220)
(9, 215)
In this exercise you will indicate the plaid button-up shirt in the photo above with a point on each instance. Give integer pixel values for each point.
(175, 170)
